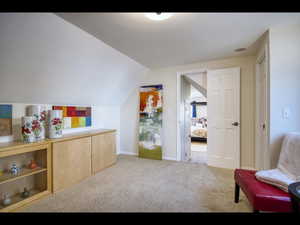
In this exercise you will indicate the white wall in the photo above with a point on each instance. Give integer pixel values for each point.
(46, 60)
(200, 78)
(284, 85)
(168, 77)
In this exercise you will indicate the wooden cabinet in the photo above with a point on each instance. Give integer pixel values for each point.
(77, 157)
(103, 151)
(36, 180)
(71, 162)
(61, 163)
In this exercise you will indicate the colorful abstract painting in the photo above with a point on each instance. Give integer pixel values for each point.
(74, 117)
(5, 120)
(150, 123)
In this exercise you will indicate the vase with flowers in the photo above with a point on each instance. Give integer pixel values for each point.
(27, 132)
(55, 123)
(39, 123)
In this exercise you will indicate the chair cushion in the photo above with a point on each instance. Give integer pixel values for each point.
(262, 196)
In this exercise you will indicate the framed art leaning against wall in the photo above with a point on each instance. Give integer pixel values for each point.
(5, 120)
(150, 122)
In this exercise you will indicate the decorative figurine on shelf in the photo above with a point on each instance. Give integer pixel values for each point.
(25, 193)
(6, 200)
(32, 164)
(14, 169)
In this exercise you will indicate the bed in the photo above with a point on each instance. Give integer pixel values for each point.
(199, 129)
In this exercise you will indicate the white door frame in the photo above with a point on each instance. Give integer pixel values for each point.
(180, 145)
(262, 55)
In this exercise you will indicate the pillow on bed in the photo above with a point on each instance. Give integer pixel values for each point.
(200, 133)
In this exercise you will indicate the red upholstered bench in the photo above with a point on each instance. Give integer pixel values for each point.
(262, 196)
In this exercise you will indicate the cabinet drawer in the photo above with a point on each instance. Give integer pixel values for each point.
(71, 162)
(103, 151)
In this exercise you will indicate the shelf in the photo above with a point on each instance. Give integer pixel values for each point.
(7, 177)
(17, 201)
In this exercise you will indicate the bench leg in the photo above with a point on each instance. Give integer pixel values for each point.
(237, 193)
(295, 205)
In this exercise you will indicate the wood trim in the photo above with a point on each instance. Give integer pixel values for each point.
(20, 144)
(17, 206)
(50, 168)
(17, 151)
(26, 174)
(78, 135)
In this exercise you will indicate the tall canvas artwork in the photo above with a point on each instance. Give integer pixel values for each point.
(150, 123)
(5, 120)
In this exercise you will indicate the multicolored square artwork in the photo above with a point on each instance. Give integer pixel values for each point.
(5, 120)
(150, 122)
(74, 117)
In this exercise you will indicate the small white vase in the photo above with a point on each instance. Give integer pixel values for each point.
(39, 113)
(27, 132)
(55, 123)
(6, 200)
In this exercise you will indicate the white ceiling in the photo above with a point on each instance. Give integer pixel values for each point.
(183, 38)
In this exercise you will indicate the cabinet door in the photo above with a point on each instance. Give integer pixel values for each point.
(103, 151)
(71, 162)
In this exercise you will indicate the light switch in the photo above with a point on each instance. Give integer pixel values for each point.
(286, 113)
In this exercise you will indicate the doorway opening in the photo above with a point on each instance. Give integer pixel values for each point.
(198, 125)
(194, 99)
(218, 119)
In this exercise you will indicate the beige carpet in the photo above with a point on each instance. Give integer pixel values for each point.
(141, 185)
(198, 152)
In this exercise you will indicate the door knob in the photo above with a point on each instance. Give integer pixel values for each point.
(235, 124)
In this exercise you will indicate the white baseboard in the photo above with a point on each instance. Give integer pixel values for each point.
(170, 158)
(134, 153)
(127, 153)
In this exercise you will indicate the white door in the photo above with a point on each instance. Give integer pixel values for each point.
(223, 118)
(262, 158)
(187, 130)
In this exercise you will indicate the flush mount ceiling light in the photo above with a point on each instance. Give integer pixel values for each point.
(158, 16)
(240, 49)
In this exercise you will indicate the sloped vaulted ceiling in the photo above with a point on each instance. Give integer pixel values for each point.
(182, 39)
(44, 59)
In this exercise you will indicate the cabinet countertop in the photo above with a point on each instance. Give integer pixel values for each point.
(20, 144)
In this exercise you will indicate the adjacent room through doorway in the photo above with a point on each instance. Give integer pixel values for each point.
(198, 126)
(194, 97)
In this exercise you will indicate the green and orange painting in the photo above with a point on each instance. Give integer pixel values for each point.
(150, 123)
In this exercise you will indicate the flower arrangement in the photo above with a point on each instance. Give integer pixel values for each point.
(27, 130)
(57, 124)
(43, 116)
(36, 128)
(39, 120)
